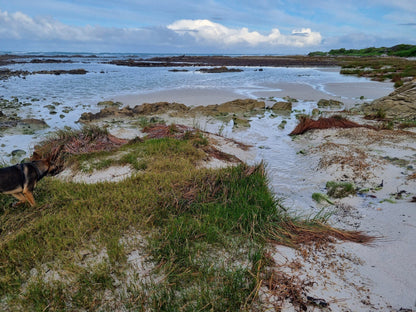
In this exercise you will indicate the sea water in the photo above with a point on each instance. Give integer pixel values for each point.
(103, 81)
(71, 95)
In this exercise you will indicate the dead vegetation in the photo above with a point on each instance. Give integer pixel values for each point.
(293, 235)
(284, 287)
(66, 143)
(346, 157)
(306, 124)
(159, 131)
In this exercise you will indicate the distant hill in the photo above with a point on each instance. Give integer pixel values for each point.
(402, 50)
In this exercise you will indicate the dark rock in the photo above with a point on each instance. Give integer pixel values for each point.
(109, 103)
(34, 122)
(39, 61)
(317, 301)
(18, 153)
(59, 72)
(222, 69)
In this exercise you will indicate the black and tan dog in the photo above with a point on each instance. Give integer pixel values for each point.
(20, 180)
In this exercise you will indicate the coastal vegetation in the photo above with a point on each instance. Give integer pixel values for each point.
(397, 70)
(401, 50)
(174, 236)
(379, 64)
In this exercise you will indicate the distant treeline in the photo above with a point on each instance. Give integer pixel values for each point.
(402, 50)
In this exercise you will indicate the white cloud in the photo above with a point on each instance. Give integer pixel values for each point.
(21, 26)
(213, 33)
(18, 29)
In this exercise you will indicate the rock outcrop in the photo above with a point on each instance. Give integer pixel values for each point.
(236, 106)
(140, 110)
(399, 104)
(177, 109)
(282, 107)
(323, 103)
(222, 69)
(30, 123)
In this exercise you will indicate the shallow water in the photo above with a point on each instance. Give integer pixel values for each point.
(71, 95)
(290, 173)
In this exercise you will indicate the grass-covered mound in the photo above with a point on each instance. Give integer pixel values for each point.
(201, 234)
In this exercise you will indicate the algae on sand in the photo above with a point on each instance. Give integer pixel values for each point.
(340, 189)
(319, 198)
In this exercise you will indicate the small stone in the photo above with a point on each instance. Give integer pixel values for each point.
(18, 153)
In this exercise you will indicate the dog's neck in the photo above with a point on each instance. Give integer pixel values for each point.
(39, 173)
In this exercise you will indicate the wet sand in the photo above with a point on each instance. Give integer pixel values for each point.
(349, 93)
(187, 96)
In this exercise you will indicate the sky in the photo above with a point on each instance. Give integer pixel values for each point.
(204, 26)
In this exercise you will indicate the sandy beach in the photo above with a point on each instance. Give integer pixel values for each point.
(348, 276)
(349, 93)
(381, 276)
(381, 165)
(187, 96)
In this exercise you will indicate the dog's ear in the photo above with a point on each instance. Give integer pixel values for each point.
(35, 156)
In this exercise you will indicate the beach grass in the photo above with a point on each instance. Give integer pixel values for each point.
(172, 237)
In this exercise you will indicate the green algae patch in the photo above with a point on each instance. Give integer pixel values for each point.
(340, 189)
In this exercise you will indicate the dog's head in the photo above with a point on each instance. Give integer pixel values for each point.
(46, 166)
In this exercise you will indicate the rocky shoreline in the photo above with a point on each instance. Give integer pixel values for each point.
(380, 68)
(184, 60)
(6, 73)
(377, 164)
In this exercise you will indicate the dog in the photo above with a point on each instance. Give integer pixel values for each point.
(20, 180)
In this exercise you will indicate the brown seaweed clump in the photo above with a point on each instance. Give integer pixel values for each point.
(159, 131)
(76, 142)
(307, 124)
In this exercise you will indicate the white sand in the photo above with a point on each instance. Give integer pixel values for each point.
(348, 276)
(111, 174)
(355, 277)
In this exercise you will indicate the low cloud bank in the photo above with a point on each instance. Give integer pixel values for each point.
(184, 34)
